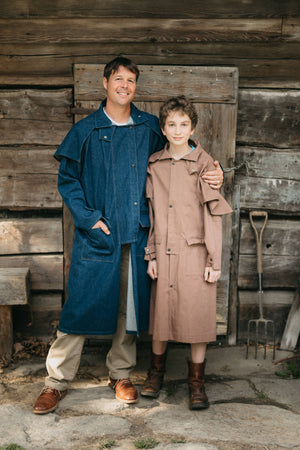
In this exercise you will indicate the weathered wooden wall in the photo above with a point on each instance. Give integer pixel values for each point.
(40, 42)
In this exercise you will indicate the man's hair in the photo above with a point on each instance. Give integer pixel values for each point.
(181, 104)
(114, 65)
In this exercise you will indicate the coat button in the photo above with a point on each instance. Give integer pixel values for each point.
(170, 206)
(135, 203)
(132, 165)
(171, 285)
(147, 249)
(169, 249)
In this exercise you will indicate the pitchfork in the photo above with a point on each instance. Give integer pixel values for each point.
(261, 319)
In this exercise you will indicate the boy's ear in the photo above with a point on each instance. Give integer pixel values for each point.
(163, 132)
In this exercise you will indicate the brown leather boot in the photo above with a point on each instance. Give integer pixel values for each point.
(197, 396)
(154, 381)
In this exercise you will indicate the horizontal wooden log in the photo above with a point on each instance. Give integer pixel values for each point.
(205, 84)
(44, 64)
(38, 235)
(280, 238)
(149, 8)
(34, 116)
(25, 191)
(36, 104)
(46, 271)
(14, 285)
(37, 160)
(142, 30)
(40, 317)
(276, 306)
(268, 117)
(269, 162)
(278, 271)
(272, 194)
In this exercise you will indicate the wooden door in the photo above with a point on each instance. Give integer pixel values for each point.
(214, 92)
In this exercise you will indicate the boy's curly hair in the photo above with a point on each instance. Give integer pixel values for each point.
(181, 104)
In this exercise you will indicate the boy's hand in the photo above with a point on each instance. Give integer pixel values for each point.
(214, 177)
(211, 275)
(101, 225)
(152, 269)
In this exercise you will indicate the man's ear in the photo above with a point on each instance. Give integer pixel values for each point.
(105, 83)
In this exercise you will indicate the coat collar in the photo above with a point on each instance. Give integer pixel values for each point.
(102, 121)
(165, 153)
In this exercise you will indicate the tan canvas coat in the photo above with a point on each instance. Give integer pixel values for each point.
(185, 237)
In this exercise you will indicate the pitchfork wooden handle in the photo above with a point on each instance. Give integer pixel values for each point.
(258, 236)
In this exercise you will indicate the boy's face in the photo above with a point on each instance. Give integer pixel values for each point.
(178, 128)
(120, 87)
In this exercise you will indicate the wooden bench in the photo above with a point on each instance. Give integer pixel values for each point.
(14, 290)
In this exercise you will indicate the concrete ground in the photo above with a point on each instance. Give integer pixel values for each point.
(251, 406)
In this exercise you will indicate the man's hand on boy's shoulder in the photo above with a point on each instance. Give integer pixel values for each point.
(214, 177)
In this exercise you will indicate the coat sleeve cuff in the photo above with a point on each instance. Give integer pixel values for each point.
(149, 253)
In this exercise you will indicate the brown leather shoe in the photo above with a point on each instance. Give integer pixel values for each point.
(155, 378)
(48, 400)
(125, 390)
(197, 395)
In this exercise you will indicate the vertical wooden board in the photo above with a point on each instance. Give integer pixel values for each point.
(6, 334)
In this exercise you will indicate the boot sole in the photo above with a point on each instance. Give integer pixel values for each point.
(199, 406)
(46, 411)
(150, 394)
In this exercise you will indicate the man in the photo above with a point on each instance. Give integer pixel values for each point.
(102, 176)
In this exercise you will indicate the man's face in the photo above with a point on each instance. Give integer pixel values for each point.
(120, 87)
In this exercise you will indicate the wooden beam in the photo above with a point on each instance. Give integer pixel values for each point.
(279, 272)
(38, 160)
(269, 118)
(27, 191)
(117, 30)
(149, 8)
(280, 238)
(46, 271)
(14, 283)
(205, 84)
(37, 235)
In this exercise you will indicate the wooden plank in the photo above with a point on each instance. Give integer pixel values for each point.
(43, 64)
(272, 194)
(37, 235)
(292, 328)
(116, 29)
(205, 84)
(268, 117)
(34, 116)
(269, 162)
(39, 318)
(36, 104)
(149, 8)
(29, 192)
(276, 307)
(291, 28)
(28, 160)
(6, 334)
(280, 238)
(14, 286)
(46, 271)
(234, 266)
(279, 272)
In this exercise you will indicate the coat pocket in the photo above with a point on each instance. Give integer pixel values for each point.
(194, 257)
(97, 246)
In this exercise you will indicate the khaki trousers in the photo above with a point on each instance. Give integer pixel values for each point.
(64, 355)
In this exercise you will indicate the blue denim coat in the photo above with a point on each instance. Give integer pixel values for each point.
(102, 175)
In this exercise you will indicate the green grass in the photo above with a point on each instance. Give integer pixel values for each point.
(146, 443)
(107, 443)
(11, 447)
(290, 371)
